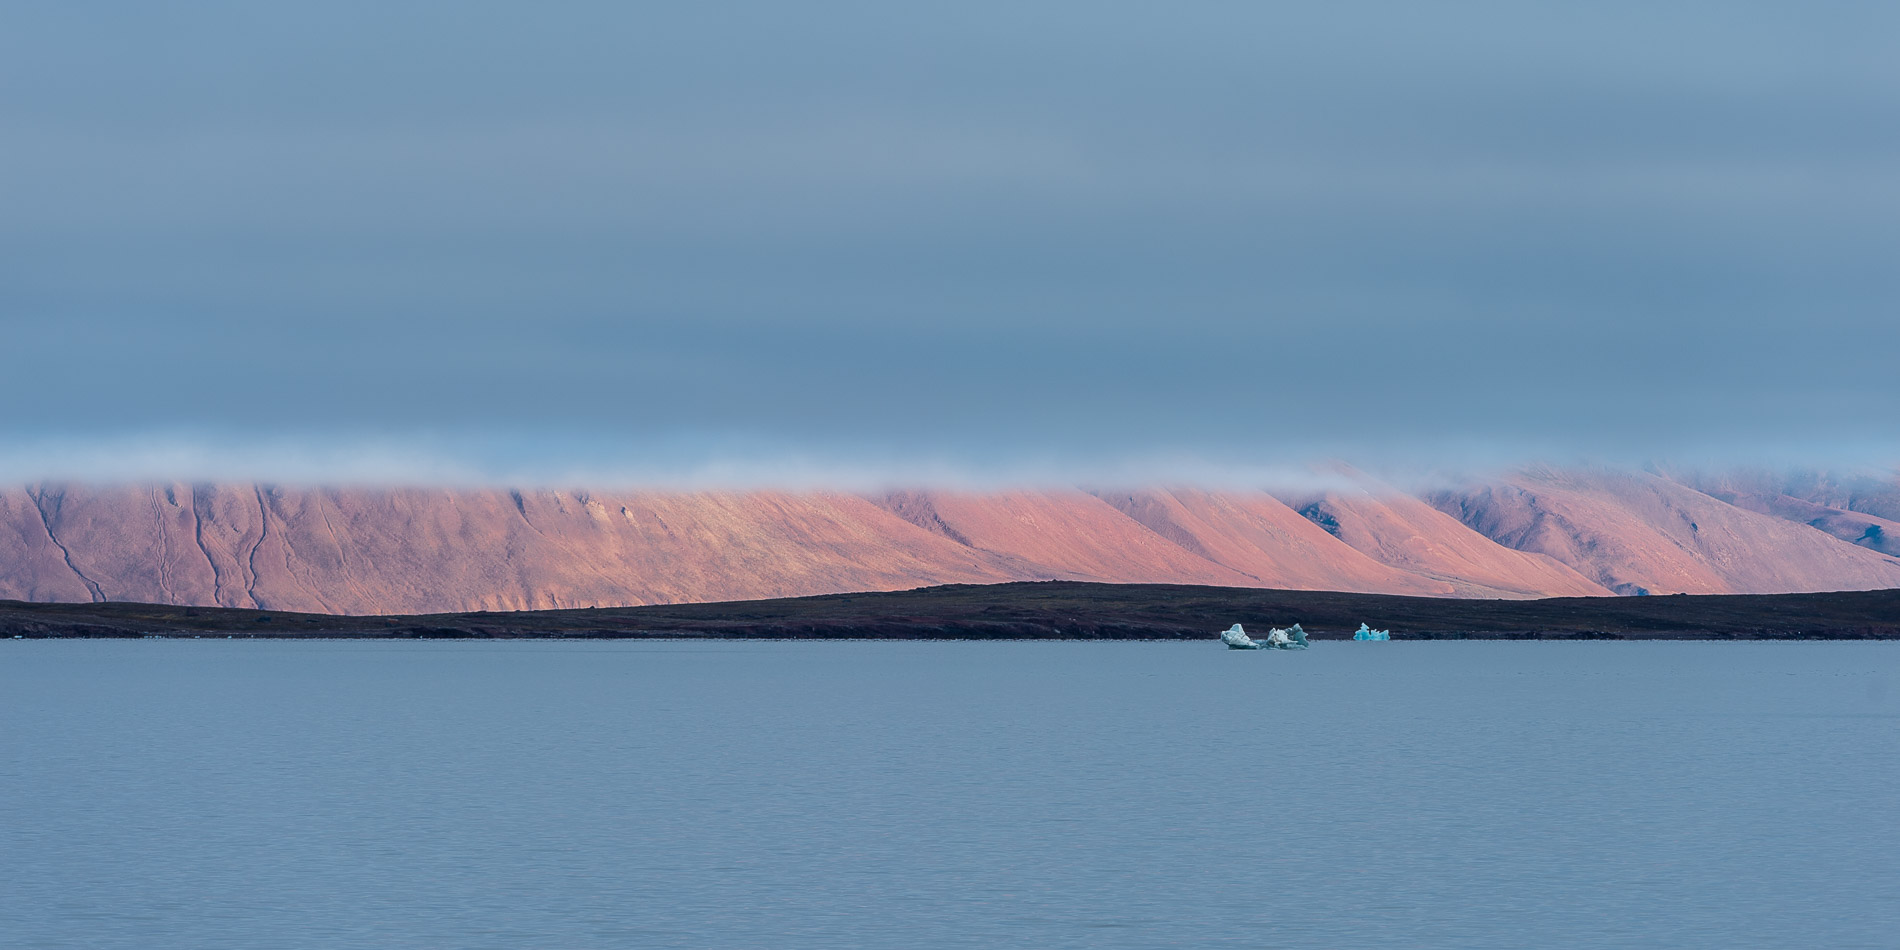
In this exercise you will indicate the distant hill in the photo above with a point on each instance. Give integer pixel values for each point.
(1537, 533)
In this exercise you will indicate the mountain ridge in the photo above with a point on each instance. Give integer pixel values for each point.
(1530, 534)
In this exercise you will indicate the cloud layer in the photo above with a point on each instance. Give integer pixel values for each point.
(489, 239)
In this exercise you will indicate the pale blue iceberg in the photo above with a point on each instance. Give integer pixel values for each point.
(1237, 639)
(1367, 633)
(1292, 638)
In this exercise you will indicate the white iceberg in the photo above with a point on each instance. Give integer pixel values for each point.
(1237, 639)
(1292, 638)
(1367, 633)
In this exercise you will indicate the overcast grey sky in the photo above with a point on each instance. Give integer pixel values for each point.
(618, 239)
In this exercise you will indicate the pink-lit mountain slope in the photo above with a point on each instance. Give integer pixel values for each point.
(1410, 535)
(412, 550)
(364, 551)
(1638, 532)
(1259, 536)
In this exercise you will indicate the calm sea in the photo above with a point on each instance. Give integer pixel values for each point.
(221, 794)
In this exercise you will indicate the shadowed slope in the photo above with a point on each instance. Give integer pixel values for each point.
(1866, 494)
(1862, 530)
(1860, 511)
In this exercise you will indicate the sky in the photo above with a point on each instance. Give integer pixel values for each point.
(835, 242)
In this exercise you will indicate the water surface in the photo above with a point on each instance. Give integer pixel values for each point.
(225, 794)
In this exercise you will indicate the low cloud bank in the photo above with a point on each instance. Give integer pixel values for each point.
(687, 463)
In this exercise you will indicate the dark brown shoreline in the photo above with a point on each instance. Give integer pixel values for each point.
(1052, 610)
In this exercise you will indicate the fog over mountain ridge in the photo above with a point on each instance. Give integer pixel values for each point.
(560, 458)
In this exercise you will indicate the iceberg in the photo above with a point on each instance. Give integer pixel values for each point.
(1292, 638)
(1237, 639)
(1367, 633)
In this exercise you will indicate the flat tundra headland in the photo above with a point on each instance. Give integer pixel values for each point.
(1050, 610)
